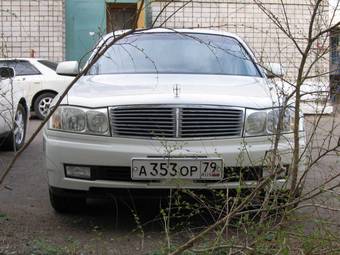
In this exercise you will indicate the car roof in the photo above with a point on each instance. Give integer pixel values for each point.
(27, 59)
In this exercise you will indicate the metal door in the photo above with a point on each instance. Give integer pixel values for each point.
(85, 23)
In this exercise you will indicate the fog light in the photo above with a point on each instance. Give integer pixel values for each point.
(81, 172)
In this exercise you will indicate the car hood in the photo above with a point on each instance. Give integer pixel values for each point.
(133, 89)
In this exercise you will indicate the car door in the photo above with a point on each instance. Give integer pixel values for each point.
(10, 95)
(28, 78)
(6, 103)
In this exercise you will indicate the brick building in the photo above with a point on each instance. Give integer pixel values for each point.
(31, 27)
(67, 29)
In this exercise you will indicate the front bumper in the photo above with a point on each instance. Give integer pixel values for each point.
(63, 148)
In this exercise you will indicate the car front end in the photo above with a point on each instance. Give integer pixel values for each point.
(162, 131)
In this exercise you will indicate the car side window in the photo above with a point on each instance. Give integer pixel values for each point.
(21, 67)
(49, 64)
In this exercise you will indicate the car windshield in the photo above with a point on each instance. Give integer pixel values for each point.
(179, 53)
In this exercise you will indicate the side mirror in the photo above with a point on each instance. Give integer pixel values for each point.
(7, 72)
(70, 68)
(275, 70)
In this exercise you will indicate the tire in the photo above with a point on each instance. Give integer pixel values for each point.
(16, 138)
(42, 104)
(63, 203)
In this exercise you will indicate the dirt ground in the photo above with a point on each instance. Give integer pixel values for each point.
(28, 224)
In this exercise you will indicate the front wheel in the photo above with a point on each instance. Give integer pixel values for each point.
(42, 104)
(16, 138)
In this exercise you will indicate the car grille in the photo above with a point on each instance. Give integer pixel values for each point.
(176, 122)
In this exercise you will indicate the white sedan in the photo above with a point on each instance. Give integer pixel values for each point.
(13, 111)
(40, 80)
(162, 110)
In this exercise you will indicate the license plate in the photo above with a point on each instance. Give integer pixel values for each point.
(177, 168)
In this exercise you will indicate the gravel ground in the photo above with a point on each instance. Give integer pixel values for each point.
(28, 224)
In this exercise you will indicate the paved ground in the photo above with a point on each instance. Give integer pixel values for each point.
(29, 225)
(327, 136)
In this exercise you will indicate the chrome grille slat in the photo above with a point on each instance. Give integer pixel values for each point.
(144, 118)
(210, 126)
(141, 123)
(141, 134)
(149, 114)
(146, 129)
(157, 121)
(212, 134)
(151, 131)
(206, 119)
(209, 115)
(145, 110)
(216, 130)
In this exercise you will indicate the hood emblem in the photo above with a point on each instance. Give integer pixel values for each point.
(177, 90)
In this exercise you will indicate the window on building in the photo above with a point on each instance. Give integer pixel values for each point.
(334, 49)
(120, 16)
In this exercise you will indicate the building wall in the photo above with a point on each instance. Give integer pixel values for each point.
(86, 22)
(246, 19)
(37, 25)
(41, 25)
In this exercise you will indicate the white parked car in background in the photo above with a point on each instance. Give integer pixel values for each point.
(40, 80)
(315, 95)
(162, 110)
(13, 111)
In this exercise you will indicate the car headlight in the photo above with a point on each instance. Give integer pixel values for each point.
(265, 122)
(273, 120)
(287, 122)
(97, 121)
(80, 120)
(255, 122)
(73, 119)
